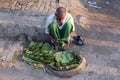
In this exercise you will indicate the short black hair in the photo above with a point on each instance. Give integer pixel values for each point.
(60, 11)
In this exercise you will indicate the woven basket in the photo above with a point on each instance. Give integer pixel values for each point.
(68, 73)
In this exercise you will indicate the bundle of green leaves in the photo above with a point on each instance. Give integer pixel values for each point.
(40, 54)
(65, 60)
(62, 42)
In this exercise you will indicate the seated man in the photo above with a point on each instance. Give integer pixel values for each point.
(60, 26)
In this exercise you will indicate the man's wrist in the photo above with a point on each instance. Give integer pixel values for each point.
(51, 37)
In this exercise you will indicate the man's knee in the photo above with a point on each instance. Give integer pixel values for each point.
(68, 25)
(52, 26)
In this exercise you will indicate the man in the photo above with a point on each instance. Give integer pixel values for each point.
(60, 26)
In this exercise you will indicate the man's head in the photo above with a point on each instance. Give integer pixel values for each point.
(60, 13)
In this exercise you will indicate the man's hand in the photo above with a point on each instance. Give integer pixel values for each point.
(51, 38)
(72, 33)
(53, 41)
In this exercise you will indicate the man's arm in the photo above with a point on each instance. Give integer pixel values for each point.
(72, 33)
(51, 38)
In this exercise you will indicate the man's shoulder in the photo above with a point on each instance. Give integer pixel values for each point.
(69, 15)
(51, 16)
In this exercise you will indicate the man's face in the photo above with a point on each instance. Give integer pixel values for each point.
(60, 17)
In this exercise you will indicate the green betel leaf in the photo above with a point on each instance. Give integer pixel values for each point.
(35, 45)
(64, 58)
(40, 44)
(43, 52)
(58, 57)
(51, 52)
(46, 46)
(29, 60)
(69, 56)
(32, 44)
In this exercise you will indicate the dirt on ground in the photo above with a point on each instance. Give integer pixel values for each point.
(98, 22)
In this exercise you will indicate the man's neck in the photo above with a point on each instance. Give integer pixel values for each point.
(59, 23)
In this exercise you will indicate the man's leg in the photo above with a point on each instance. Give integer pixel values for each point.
(65, 32)
(54, 31)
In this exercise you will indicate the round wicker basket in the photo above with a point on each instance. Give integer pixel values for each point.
(68, 73)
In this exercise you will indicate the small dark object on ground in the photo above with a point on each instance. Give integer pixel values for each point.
(77, 40)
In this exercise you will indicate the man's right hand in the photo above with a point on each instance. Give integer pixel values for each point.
(53, 41)
(51, 38)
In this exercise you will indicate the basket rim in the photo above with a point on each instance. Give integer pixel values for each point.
(80, 61)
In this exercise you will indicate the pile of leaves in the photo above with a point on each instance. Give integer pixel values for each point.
(40, 54)
(65, 60)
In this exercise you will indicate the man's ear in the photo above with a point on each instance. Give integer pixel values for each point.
(55, 14)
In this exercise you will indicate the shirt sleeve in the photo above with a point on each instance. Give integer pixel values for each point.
(46, 26)
(49, 20)
(71, 20)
